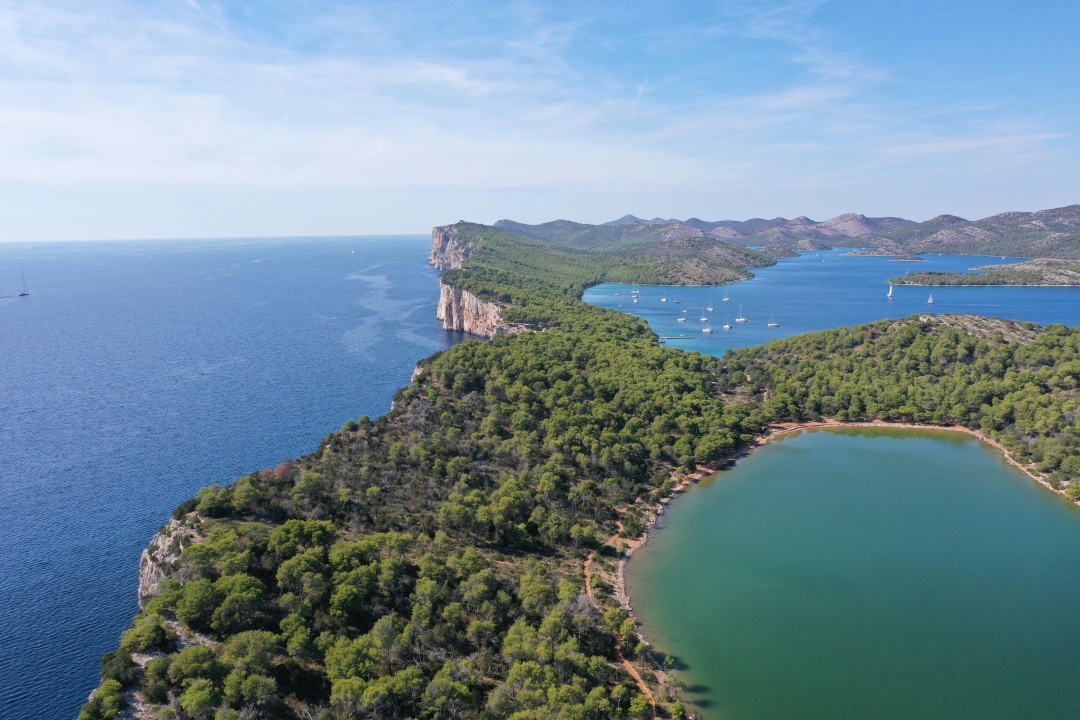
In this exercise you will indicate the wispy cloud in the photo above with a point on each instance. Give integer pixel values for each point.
(468, 98)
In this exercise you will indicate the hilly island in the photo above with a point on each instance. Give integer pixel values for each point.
(458, 557)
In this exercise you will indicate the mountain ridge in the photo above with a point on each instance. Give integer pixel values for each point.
(1051, 233)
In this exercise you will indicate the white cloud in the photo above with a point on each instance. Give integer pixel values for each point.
(369, 99)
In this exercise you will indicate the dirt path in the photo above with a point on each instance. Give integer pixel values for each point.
(618, 640)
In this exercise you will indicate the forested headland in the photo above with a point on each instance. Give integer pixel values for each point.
(429, 563)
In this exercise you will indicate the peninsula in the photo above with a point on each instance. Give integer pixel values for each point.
(438, 561)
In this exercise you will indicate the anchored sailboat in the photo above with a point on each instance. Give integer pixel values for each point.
(739, 317)
(773, 323)
(25, 289)
(890, 291)
(726, 298)
(703, 317)
(677, 299)
(664, 299)
(727, 325)
(707, 329)
(710, 306)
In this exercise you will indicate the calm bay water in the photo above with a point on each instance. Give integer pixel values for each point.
(136, 373)
(868, 574)
(805, 294)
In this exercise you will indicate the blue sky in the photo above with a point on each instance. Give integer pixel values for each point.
(191, 118)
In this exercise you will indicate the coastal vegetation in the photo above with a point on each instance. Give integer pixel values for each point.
(1032, 272)
(430, 562)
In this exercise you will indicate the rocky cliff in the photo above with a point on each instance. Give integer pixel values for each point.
(164, 550)
(461, 310)
(447, 249)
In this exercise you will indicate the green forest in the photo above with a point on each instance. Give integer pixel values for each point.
(429, 563)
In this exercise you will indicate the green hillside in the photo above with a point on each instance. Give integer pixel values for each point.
(430, 562)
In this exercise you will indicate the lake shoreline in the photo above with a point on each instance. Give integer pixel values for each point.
(684, 482)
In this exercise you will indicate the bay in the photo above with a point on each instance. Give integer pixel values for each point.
(862, 573)
(137, 372)
(827, 289)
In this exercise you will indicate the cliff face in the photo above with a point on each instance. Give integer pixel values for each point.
(447, 250)
(461, 310)
(164, 550)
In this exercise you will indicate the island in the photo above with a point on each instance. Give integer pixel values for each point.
(1039, 271)
(460, 556)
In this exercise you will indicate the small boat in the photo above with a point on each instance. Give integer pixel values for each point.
(739, 317)
(618, 294)
(710, 306)
(682, 319)
(890, 291)
(726, 298)
(635, 298)
(677, 299)
(635, 292)
(703, 318)
(773, 323)
(930, 301)
(727, 325)
(620, 305)
(664, 299)
(684, 310)
(25, 289)
(706, 329)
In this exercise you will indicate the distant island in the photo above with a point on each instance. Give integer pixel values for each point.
(457, 558)
(1040, 271)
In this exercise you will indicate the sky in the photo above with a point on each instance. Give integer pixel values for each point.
(192, 118)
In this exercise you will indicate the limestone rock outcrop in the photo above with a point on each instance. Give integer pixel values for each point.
(448, 251)
(461, 310)
(162, 552)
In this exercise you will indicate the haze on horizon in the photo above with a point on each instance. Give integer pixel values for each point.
(189, 118)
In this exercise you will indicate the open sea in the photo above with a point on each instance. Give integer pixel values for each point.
(137, 372)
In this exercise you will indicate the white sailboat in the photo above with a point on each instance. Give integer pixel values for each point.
(618, 294)
(682, 319)
(890, 291)
(739, 317)
(25, 289)
(726, 298)
(773, 323)
(727, 325)
(677, 299)
(664, 299)
(684, 310)
(707, 329)
(931, 300)
(703, 317)
(710, 306)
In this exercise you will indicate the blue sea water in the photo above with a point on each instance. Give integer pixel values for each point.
(821, 290)
(136, 373)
